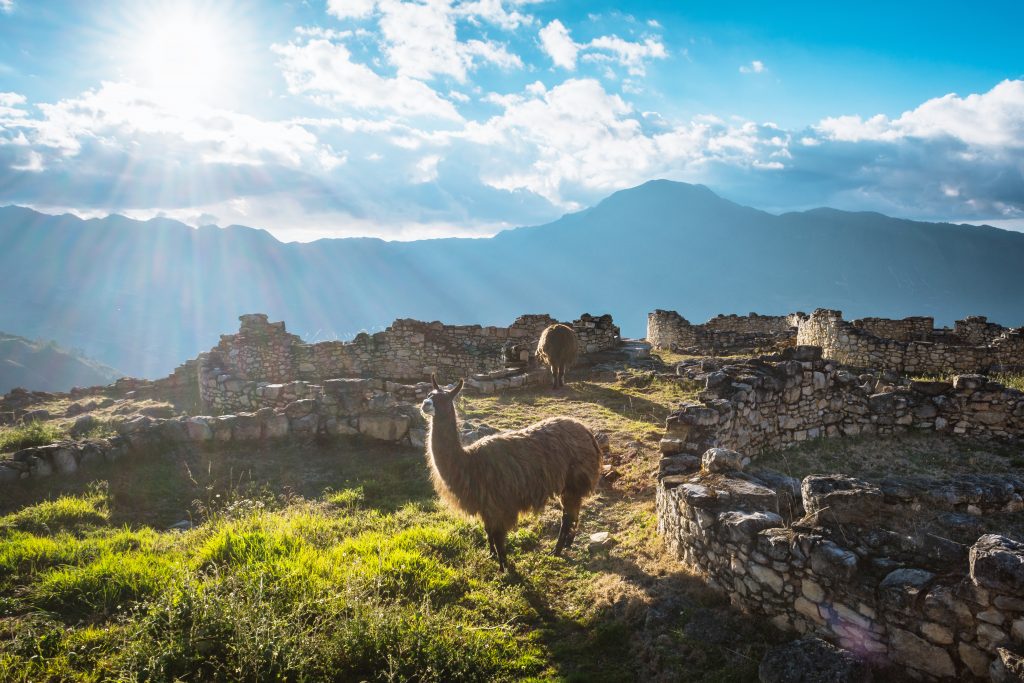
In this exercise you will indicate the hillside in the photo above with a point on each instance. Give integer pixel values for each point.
(44, 366)
(146, 295)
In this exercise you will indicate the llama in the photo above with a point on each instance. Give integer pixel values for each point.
(504, 475)
(557, 348)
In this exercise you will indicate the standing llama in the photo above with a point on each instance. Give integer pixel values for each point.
(557, 349)
(504, 475)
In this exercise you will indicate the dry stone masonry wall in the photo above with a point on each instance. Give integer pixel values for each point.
(900, 571)
(855, 571)
(723, 334)
(774, 401)
(906, 346)
(264, 365)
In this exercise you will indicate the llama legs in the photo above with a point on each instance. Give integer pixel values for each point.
(570, 517)
(496, 540)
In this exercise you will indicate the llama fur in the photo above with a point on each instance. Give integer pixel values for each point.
(506, 475)
(558, 348)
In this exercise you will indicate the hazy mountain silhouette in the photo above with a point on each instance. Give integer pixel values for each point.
(44, 366)
(144, 296)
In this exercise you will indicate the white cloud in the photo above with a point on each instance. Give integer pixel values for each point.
(324, 71)
(350, 9)
(559, 45)
(11, 104)
(989, 120)
(629, 54)
(6, 6)
(755, 67)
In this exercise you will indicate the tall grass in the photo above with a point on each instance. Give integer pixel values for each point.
(13, 437)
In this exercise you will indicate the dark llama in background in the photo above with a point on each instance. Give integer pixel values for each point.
(505, 475)
(558, 348)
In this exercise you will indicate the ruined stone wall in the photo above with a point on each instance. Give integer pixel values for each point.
(935, 608)
(247, 371)
(851, 345)
(977, 330)
(771, 404)
(722, 334)
(914, 328)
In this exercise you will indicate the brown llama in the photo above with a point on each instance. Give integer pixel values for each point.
(558, 348)
(504, 475)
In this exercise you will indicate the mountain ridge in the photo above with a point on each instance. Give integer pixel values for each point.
(145, 295)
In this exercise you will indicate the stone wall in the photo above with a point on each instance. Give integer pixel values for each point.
(249, 370)
(914, 328)
(945, 353)
(773, 402)
(374, 409)
(722, 334)
(854, 570)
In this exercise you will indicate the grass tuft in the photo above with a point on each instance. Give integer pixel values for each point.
(16, 437)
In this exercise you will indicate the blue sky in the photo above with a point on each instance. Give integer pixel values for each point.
(419, 119)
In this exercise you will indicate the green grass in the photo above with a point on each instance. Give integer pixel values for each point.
(362, 576)
(1009, 379)
(13, 438)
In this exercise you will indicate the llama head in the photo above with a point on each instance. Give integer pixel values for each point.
(441, 402)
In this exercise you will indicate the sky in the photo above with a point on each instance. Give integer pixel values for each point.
(416, 119)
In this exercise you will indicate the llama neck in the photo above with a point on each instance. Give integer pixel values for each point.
(445, 445)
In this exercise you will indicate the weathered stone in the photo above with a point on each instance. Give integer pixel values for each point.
(300, 408)
(198, 429)
(997, 562)
(914, 652)
(723, 460)
(838, 499)
(276, 426)
(937, 633)
(384, 427)
(767, 576)
(831, 561)
(740, 527)
(974, 659)
(812, 660)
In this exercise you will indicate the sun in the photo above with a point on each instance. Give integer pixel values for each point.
(182, 52)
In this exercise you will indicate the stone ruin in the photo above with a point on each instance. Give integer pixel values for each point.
(264, 384)
(913, 345)
(722, 335)
(900, 571)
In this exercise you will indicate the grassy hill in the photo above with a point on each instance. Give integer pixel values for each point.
(44, 366)
(337, 562)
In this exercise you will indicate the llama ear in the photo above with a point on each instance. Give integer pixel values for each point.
(433, 380)
(458, 387)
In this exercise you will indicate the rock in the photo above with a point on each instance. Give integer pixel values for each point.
(300, 408)
(678, 464)
(601, 539)
(997, 562)
(384, 427)
(183, 525)
(82, 424)
(812, 660)
(723, 460)
(39, 415)
(837, 499)
(163, 412)
(603, 442)
(74, 409)
(916, 653)
(246, 428)
(198, 429)
(901, 588)
(740, 527)
(610, 475)
(418, 438)
(276, 426)
(1007, 667)
(831, 561)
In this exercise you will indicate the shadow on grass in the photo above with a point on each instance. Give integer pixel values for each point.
(161, 489)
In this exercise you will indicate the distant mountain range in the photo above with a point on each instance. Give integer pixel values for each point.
(45, 366)
(143, 296)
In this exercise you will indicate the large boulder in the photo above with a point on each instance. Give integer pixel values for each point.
(997, 562)
(383, 426)
(812, 660)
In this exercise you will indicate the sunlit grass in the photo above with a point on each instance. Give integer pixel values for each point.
(372, 580)
(16, 437)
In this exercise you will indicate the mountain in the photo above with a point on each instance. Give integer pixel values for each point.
(144, 296)
(44, 366)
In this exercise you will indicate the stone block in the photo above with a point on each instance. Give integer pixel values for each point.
(384, 427)
(837, 499)
(723, 460)
(276, 426)
(997, 562)
(911, 651)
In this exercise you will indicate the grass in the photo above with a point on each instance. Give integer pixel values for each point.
(338, 563)
(16, 437)
(1008, 379)
(13, 438)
